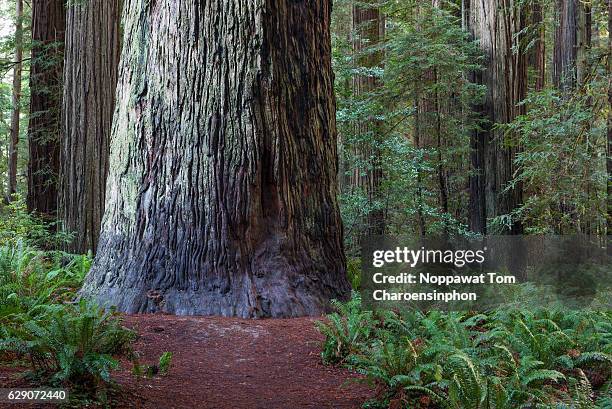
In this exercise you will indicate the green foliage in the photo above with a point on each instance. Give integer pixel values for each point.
(563, 160)
(31, 278)
(69, 345)
(63, 342)
(345, 330)
(160, 368)
(502, 359)
(18, 226)
(353, 272)
(425, 57)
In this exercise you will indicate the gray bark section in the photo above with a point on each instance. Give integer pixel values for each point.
(496, 24)
(221, 195)
(90, 77)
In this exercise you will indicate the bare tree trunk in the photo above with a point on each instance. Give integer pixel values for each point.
(48, 27)
(564, 56)
(418, 143)
(368, 23)
(221, 193)
(90, 77)
(537, 56)
(609, 147)
(13, 149)
(496, 25)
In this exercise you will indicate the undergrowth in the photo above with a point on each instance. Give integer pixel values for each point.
(501, 359)
(63, 341)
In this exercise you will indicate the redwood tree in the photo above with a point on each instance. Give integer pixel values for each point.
(90, 76)
(368, 27)
(13, 148)
(48, 25)
(221, 194)
(497, 25)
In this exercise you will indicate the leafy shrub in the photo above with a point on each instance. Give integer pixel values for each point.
(19, 226)
(64, 343)
(69, 344)
(31, 277)
(502, 359)
(353, 272)
(345, 330)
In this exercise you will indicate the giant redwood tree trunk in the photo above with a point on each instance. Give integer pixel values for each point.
(496, 25)
(48, 26)
(90, 76)
(221, 194)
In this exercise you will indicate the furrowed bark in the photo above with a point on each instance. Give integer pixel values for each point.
(537, 56)
(90, 77)
(48, 26)
(221, 193)
(572, 39)
(496, 24)
(13, 149)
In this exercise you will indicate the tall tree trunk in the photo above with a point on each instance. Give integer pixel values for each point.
(13, 148)
(368, 25)
(496, 25)
(221, 193)
(90, 77)
(48, 27)
(609, 159)
(564, 56)
(418, 143)
(537, 56)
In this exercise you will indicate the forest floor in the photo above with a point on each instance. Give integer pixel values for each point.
(234, 363)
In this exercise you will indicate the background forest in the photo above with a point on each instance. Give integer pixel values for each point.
(453, 117)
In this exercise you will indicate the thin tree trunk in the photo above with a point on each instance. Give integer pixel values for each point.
(221, 193)
(368, 23)
(609, 147)
(90, 77)
(442, 182)
(418, 143)
(13, 149)
(537, 55)
(48, 27)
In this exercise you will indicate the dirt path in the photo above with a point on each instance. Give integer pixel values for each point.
(234, 363)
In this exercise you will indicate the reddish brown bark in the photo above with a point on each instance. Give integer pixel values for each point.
(90, 77)
(13, 149)
(496, 24)
(48, 26)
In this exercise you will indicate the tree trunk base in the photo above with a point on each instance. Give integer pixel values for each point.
(275, 288)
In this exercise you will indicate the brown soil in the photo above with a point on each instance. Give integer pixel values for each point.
(234, 363)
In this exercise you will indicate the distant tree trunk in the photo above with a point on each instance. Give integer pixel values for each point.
(442, 179)
(16, 102)
(537, 56)
(368, 24)
(221, 193)
(90, 77)
(418, 143)
(609, 159)
(496, 25)
(572, 39)
(48, 26)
